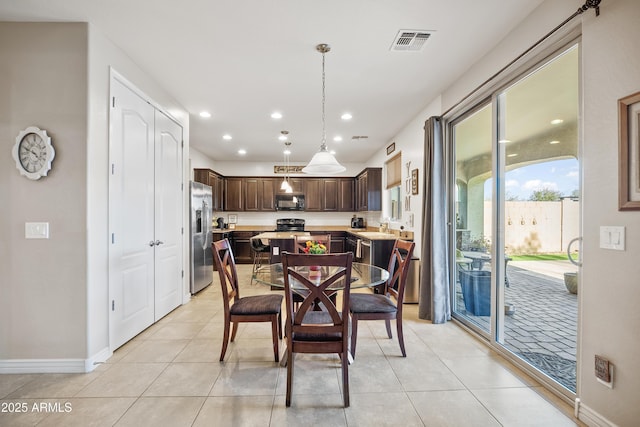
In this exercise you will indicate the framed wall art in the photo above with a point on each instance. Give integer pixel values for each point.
(629, 153)
(391, 148)
(414, 181)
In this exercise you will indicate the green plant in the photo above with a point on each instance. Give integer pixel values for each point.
(480, 243)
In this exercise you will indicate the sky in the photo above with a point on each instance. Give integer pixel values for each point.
(557, 175)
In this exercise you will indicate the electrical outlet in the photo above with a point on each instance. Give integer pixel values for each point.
(276, 250)
(603, 370)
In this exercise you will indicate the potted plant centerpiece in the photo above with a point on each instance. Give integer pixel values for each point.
(314, 248)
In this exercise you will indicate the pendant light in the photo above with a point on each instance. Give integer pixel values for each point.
(285, 182)
(287, 152)
(323, 162)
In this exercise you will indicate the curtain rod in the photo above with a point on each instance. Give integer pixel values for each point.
(590, 4)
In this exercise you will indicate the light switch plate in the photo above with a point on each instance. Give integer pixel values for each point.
(36, 230)
(612, 237)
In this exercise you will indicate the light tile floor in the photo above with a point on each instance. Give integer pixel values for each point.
(169, 375)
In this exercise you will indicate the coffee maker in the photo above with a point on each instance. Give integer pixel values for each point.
(357, 222)
(221, 223)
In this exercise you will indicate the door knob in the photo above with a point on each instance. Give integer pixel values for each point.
(159, 242)
(152, 243)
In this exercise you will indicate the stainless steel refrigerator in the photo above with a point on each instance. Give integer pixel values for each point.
(201, 237)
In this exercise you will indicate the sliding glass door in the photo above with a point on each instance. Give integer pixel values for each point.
(517, 209)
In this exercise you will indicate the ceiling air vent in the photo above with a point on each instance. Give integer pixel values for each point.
(410, 40)
(357, 137)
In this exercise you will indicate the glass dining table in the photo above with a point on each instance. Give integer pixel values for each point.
(362, 276)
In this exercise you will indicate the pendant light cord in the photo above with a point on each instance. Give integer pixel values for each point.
(324, 132)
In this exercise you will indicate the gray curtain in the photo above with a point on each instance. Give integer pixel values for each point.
(435, 302)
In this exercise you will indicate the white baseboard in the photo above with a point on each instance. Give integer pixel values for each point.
(591, 417)
(53, 366)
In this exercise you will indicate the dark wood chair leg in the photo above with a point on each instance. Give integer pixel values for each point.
(289, 377)
(274, 334)
(345, 379)
(225, 341)
(388, 324)
(235, 330)
(400, 336)
(354, 334)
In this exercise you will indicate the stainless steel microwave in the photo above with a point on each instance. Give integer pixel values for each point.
(289, 202)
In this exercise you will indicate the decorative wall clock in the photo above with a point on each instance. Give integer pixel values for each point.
(33, 153)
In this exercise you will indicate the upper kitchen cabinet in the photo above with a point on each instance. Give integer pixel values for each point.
(233, 194)
(216, 181)
(259, 194)
(369, 190)
(329, 194)
(297, 185)
(346, 199)
(314, 194)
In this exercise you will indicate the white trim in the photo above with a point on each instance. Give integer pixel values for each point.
(591, 417)
(53, 366)
(100, 357)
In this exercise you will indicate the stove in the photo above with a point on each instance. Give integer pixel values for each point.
(290, 224)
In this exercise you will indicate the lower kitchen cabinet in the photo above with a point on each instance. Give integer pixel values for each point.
(241, 244)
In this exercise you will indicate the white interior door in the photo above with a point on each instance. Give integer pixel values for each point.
(168, 215)
(131, 215)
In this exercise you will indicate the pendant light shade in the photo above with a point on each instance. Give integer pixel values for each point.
(323, 162)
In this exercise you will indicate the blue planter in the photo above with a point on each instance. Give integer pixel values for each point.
(476, 291)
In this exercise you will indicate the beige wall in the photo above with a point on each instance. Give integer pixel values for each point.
(537, 227)
(54, 293)
(43, 82)
(610, 289)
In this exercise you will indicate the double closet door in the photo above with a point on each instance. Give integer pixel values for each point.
(145, 214)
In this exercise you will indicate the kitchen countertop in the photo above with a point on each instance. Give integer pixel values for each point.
(280, 234)
(370, 233)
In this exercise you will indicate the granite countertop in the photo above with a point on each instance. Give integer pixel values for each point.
(280, 235)
(370, 233)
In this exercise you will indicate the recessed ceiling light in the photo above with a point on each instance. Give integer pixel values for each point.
(276, 115)
(282, 137)
(333, 152)
(556, 121)
(242, 151)
(337, 138)
(512, 155)
(504, 141)
(227, 137)
(346, 116)
(554, 142)
(287, 151)
(205, 114)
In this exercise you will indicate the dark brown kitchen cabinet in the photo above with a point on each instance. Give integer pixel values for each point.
(241, 244)
(369, 190)
(330, 189)
(329, 194)
(314, 194)
(338, 241)
(233, 194)
(259, 194)
(345, 195)
(297, 185)
(216, 181)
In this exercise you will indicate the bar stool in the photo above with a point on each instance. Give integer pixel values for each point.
(259, 249)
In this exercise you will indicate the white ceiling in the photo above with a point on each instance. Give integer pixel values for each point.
(242, 60)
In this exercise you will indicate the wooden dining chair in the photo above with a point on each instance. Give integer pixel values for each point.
(259, 308)
(381, 306)
(310, 331)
